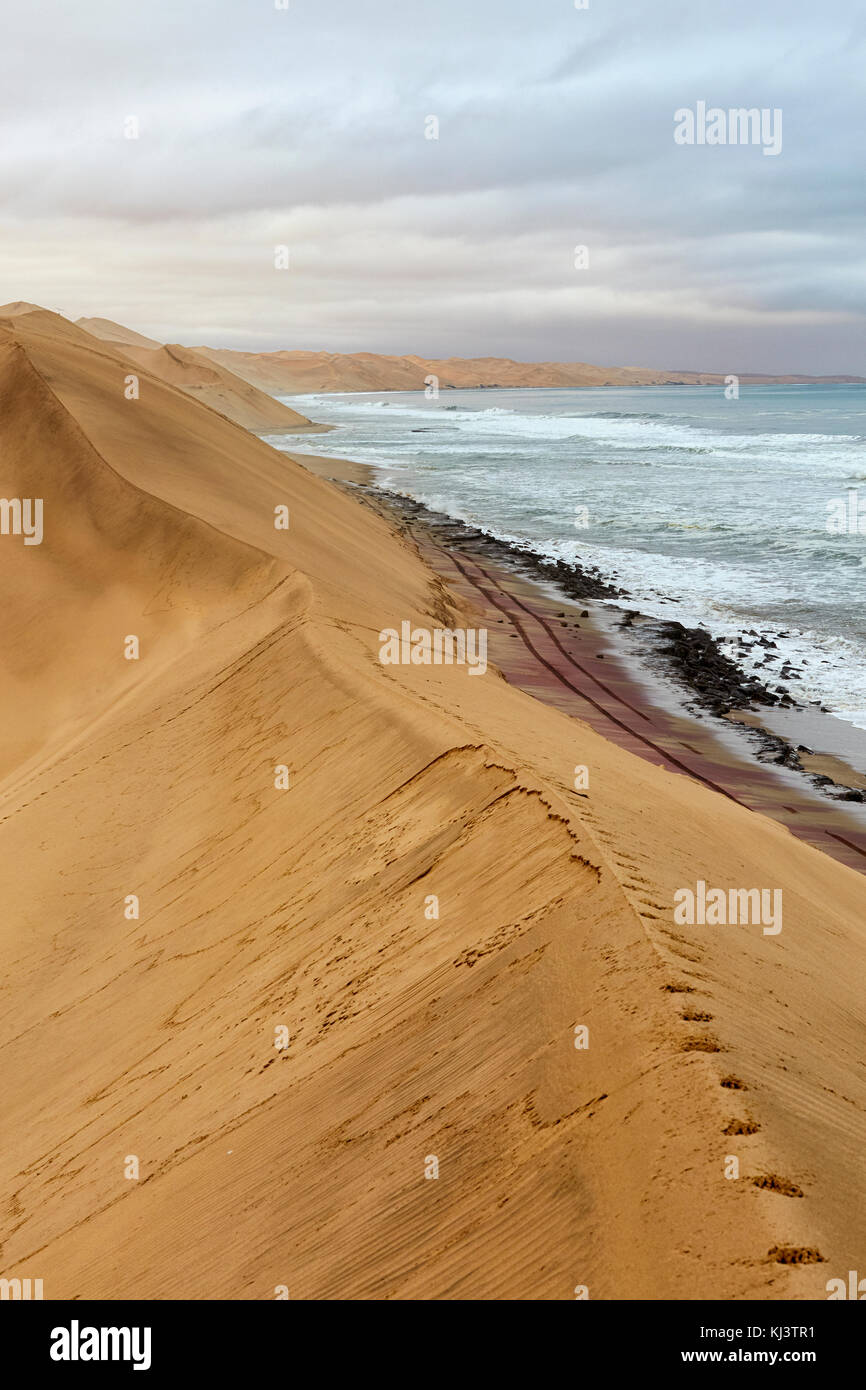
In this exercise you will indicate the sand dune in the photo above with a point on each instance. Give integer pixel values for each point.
(411, 1036)
(209, 382)
(117, 333)
(20, 306)
(293, 373)
(298, 372)
(113, 561)
(221, 389)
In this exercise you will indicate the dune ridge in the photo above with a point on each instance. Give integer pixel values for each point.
(307, 907)
(113, 332)
(114, 555)
(207, 381)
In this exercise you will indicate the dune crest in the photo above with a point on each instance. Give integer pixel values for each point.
(209, 382)
(116, 333)
(112, 561)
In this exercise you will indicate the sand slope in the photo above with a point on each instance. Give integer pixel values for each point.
(207, 381)
(222, 390)
(410, 1036)
(113, 561)
(117, 333)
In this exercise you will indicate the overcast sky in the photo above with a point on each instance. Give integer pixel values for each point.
(261, 127)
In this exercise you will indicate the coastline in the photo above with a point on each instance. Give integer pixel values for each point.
(683, 533)
(571, 653)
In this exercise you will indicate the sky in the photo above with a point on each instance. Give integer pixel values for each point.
(308, 127)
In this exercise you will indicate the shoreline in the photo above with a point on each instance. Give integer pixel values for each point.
(668, 700)
(791, 619)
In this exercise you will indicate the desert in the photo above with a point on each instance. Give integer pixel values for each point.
(302, 904)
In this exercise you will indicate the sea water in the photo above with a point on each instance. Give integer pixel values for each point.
(739, 514)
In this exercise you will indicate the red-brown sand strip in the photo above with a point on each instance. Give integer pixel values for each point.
(564, 668)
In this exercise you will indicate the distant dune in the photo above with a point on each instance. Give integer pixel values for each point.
(296, 947)
(294, 373)
(297, 372)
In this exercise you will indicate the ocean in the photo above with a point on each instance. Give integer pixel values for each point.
(741, 516)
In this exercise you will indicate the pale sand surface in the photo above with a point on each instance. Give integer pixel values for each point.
(305, 908)
(834, 768)
(341, 470)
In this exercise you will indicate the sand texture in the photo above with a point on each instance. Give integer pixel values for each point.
(308, 907)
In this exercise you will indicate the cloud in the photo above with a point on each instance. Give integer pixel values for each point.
(307, 127)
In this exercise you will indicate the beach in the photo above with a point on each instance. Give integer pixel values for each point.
(377, 969)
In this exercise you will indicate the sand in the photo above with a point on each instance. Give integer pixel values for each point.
(411, 1037)
(113, 332)
(206, 380)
